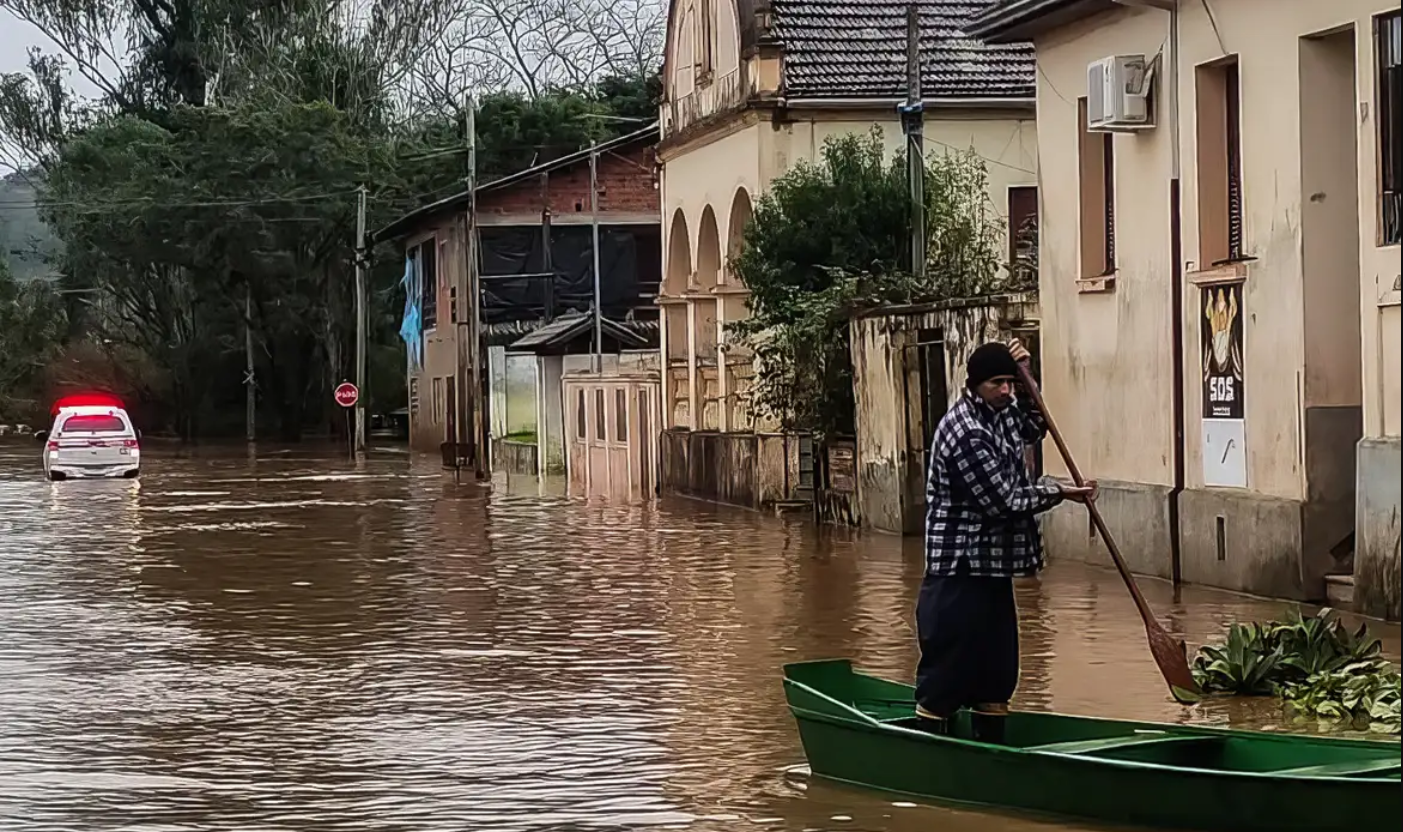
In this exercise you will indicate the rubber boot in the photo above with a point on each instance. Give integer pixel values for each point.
(987, 726)
(930, 723)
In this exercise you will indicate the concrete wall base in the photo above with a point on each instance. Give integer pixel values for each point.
(1245, 542)
(1261, 538)
(1136, 514)
(1377, 572)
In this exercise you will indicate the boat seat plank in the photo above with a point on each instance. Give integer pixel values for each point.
(1111, 743)
(1347, 768)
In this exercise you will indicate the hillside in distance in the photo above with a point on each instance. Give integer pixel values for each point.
(25, 241)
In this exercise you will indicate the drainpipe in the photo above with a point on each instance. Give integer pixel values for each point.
(1176, 280)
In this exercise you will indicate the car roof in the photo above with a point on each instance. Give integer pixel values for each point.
(92, 410)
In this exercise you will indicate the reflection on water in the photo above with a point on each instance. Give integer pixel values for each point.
(303, 643)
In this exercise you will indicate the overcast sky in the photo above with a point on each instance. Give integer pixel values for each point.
(16, 39)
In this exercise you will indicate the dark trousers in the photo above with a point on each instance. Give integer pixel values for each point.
(968, 631)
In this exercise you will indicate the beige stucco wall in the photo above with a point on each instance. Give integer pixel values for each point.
(718, 175)
(683, 41)
(709, 173)
(1108, 354)
(428, 421)
(750, 155)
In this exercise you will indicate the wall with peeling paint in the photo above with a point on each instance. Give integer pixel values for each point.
(1319, 299)
(892, 431)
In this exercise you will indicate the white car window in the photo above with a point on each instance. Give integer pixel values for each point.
(94, 423)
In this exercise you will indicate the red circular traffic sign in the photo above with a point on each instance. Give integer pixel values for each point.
(346, 394)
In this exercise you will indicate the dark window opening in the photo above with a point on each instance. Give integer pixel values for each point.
(94, 424)
(1096, 178)
(427, 255)
(1232, 103)
(1388, 58)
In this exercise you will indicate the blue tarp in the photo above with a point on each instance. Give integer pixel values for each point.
(411, 328)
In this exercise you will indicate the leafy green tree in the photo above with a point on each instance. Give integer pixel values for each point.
(832, 237)
(31, 331)
(210, 190)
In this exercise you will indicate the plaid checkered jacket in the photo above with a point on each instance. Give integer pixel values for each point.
(980, 501)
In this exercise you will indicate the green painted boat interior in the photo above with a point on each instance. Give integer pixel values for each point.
(831, 691)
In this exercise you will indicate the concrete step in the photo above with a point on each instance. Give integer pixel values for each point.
(1339, 591)
(783, 507)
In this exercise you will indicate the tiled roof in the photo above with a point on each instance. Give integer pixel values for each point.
(857, 49)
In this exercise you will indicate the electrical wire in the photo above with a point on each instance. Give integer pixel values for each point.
(148, 201)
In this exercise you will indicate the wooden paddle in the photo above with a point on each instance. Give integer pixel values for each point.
(1170, 653)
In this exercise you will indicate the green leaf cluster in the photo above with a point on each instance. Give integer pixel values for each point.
(1317, 665)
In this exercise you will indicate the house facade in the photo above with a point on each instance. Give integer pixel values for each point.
(1225, 359)
(750, 89)
(534, 251)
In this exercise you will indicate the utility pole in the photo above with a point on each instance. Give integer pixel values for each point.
(913, 124)
(1176, 295)
(469, 308)
(597, 364)
(362, 314)
(250, 390)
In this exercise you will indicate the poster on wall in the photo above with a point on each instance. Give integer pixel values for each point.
(1224, 428)
(1221, 342)
(1224, 454)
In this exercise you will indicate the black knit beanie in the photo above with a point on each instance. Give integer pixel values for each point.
(989, 361)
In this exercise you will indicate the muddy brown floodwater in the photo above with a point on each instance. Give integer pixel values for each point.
(298, 643)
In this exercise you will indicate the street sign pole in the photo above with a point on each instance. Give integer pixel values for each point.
(362, 315)
(347, 395)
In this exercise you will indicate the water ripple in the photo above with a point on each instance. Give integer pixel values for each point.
(299, 643)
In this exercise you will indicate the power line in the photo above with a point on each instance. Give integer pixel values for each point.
(149, 201)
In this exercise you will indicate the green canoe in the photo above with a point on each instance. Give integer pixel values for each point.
(861, 730)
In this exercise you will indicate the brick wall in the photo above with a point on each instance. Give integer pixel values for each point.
(625, 186)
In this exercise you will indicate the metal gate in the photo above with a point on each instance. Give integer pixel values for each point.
(933, 390)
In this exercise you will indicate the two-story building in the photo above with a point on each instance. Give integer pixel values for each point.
(1219, 253)
(751, 87)
(534, 247)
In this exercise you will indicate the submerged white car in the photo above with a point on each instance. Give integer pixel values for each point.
(91, 441)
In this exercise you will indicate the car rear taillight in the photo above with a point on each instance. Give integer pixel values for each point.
(130, 443)
(52, 445)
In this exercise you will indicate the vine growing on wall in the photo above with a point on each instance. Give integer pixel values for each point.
(832, 237)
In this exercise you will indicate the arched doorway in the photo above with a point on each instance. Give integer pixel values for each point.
(708, 386)
(677, 275)
(741, 213)
(679, 256)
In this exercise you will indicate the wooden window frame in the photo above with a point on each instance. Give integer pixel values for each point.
(1218, 147)
(1388, 130)
(601, 420)
(1017, 216)
(706, 34)
(1096, 168)
(426, 253)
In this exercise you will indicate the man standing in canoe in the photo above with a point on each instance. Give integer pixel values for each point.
(981, 533)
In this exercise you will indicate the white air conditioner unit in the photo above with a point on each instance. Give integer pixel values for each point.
(1117, 91)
